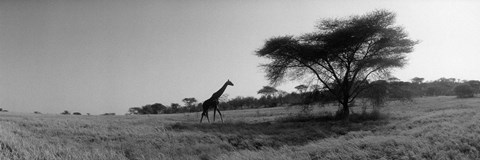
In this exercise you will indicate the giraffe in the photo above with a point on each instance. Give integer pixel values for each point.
(213, 102)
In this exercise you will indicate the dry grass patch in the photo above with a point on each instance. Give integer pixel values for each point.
(430, 128)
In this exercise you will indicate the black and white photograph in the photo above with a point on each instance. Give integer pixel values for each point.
(239, 79)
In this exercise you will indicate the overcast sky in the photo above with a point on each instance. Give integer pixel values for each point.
(97, 56)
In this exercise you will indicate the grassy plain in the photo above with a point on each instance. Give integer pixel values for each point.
(428, 128)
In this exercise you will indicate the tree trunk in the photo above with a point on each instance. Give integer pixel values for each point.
(345, 104)
(345, 110)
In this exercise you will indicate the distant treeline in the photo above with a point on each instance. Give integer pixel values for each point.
(392, 89)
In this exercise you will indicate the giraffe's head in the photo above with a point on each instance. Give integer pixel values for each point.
(229, 83)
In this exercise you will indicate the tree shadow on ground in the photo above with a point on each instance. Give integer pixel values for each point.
(296, 130)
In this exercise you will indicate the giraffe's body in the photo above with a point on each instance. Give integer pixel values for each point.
(212, 102)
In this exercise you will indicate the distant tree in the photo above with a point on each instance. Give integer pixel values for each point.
(301, 88)
(305, 100)
(148, 109)
(136, 110)
(77, 113)
(444, 86)
(446, 80)
(37, 112)
(463, 91)
(377, 93)
(267, 91)
(65, 112)
(243, 102)
(223, 98)
(393, 79)
(315, 87)
(343, 54)
(282, 93)
(174, 107)
(400, 91)
(157, 108)
(431, 91)
(189, 101)
(108, 114)
(475, 84)
(417, 80)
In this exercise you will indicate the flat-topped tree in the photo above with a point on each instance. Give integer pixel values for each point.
(301, 88)
(343, 54)
(417, 80)
(267, 91)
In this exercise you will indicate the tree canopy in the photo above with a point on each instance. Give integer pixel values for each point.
(417, 80)
(267, 91)
(464, 91)
(189, 101)
(301, 88)
(343, 53)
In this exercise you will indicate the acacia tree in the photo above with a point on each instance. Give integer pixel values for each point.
(417, 80)
(189, 101)
(267, 91)
(301, 88)
(343, 54)
(65, 112)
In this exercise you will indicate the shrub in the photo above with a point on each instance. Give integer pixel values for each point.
(65, 112)
(463, 91)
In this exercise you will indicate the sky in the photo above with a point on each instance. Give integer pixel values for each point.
(99, 56)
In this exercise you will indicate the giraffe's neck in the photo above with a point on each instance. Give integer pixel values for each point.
(219, 93)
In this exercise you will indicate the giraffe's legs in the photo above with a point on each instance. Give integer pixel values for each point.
(205, 113)
(214, 108)
(219, 114)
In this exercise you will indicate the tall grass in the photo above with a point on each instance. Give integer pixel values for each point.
(430, 128)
